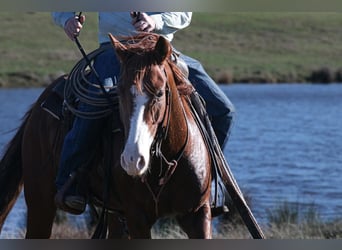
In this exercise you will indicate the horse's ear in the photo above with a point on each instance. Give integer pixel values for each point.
(163, 49)
(118, 46)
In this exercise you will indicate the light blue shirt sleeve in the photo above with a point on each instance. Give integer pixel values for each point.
(170, 22)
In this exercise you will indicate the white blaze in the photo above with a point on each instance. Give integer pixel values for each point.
(136, 155)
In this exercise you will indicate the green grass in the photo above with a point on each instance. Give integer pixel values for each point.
(287, 221)
(248, 46)
(30, 44)
(280, 44)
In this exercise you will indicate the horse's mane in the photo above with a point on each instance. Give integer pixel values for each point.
(142, 45)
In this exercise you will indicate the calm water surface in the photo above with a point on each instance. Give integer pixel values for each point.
(286, 143)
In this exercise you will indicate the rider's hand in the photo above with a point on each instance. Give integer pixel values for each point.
(143, 22)
(73, 26)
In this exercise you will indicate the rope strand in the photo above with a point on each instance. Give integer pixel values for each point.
(78, 90)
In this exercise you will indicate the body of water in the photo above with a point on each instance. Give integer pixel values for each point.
(286, 143)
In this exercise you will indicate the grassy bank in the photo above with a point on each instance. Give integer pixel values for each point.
(332, 230)
(284, 222)
(233, 47)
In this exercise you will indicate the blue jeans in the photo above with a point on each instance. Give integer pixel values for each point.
(81, 139)
(83, 136)
(219, 107)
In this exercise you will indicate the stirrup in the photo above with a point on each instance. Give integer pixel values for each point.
(74, 204)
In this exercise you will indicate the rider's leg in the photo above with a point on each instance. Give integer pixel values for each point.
(82, 138)
(219, 107)
(78, 146)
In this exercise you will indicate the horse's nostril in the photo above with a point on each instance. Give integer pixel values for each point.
(141, 162)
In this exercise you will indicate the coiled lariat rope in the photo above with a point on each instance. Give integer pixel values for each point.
(78, 90)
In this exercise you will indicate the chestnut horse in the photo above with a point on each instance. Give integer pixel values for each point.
(165, 165)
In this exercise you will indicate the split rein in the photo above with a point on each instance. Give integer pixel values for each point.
(156, 148)
(162, 132)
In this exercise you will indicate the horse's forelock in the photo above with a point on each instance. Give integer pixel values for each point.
(141, 43)
(134, 78)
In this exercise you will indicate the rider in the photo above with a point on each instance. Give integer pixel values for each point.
(81, 139)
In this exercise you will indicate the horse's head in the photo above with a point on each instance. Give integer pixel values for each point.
(143, 93)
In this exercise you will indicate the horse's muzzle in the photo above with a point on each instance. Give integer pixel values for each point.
(134, 165)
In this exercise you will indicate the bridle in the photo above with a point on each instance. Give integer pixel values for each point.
(156, 147)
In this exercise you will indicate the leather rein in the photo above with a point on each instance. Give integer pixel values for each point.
(156, 148)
